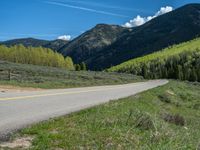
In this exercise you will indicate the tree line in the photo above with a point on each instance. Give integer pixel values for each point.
(177, 62)
(183, 66)
(36, 56)
(82, 66)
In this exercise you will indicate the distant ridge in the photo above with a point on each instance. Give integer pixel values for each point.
(55, 44)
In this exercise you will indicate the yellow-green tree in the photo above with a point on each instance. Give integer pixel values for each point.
(36, 56)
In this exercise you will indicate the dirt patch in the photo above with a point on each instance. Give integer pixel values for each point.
(10, 88)
(24, 143)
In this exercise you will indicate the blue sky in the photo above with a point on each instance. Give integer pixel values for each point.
(48, 19)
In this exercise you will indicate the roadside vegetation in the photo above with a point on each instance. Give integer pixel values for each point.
(35, 56)
(82, 66)
(166, 117)
(176, 62)
(51, 77)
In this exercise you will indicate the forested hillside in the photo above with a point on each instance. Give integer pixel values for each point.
(177, 62)
(36, 56)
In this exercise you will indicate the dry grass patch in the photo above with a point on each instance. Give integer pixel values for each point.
(22, 143)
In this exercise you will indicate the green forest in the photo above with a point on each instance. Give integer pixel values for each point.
(180, 61)
(36, 56)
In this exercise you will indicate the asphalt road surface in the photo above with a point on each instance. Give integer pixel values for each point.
(20, 109)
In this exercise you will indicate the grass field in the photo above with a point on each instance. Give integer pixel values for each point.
(48, 77)
(164, 118)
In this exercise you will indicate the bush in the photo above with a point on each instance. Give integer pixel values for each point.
(144, 121)
(165, 98)
(175, 119)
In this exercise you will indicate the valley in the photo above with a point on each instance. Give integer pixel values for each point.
(129, 86)
(106, 45)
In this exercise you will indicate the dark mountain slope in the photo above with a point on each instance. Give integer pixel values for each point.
(103, 47)
(56, 44)
(92, 42)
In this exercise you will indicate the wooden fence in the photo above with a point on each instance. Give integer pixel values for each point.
(8, 75)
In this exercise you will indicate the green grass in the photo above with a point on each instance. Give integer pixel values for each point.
(49, 77)
(136, 122)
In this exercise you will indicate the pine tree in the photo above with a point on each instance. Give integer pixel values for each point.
(83, 66)
(144, 71)
(77, 67)
(180, 73)
(193, 75)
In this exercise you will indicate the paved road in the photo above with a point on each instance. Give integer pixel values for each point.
(19, 109)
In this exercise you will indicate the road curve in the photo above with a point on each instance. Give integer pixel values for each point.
(19, 109)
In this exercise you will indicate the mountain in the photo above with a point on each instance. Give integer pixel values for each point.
(107, 45)
(92, 42)
(55, 45)
(176, 62)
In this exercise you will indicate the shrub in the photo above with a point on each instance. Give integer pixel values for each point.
(165, 98)
(175, 119)
(144, 121)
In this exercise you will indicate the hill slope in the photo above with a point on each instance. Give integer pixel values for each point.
(178, 62)
(27, 75)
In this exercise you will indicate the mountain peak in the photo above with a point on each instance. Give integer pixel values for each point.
(101, 25)
(92, 41)
(106, 25)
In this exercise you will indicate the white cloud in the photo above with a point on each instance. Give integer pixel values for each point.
(65, 37)
(135, 22)
(138, 21)
(164, 10)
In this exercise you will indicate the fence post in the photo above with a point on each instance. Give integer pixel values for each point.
(9, 74)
